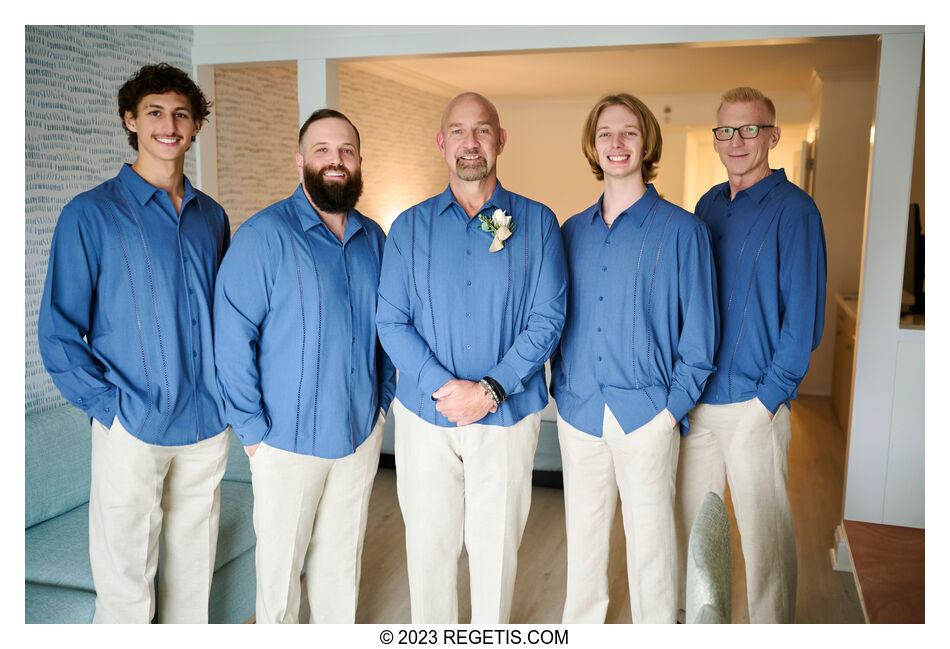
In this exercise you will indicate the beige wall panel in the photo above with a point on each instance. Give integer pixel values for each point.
(256, 113)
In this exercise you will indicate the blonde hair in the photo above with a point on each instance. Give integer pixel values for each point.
(650, 128)
(745, 94)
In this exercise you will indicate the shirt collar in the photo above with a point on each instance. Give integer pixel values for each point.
(310, 218)
(761, 189)
(638, 211)
(500, 199)
(142, 190)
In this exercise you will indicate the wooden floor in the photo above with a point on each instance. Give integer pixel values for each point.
(816, 459)
(889, 564)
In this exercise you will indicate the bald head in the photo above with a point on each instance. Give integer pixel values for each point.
(470, 138)
(470, 99)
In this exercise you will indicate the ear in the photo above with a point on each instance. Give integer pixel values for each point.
(197, 128)
(776, 135)
(502, 138)
(129, 120)
(440, 141)
(299, 158)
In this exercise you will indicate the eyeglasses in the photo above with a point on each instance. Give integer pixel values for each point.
(746, 131)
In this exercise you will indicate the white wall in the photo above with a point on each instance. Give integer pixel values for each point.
(840, 187)
(543, 158)
(883, 411)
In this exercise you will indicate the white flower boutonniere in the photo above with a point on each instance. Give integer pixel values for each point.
(498, 224)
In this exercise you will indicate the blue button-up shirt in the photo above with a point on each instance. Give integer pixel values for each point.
(299, 364)
(769, 246)
(642, 325)
(135, 278)
(449, 308)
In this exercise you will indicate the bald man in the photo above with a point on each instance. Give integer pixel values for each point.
(472, 299)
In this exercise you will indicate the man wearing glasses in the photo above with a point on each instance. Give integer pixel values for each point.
(769, 248)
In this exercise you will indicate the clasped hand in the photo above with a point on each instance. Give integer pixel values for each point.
(463, 402)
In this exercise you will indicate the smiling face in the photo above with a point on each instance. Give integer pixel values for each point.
(471, 139)
(746, 161)
(329, 164)
(164, 125)
(618, 140)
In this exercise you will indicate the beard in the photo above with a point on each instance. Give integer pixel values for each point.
(334, 196)
(471, 170)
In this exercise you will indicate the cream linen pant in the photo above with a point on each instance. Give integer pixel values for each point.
(641, 467)
(311, 509)
(147, 500)
(738, 441)
(471, 482)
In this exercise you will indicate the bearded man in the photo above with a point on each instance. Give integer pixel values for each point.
(305, 382)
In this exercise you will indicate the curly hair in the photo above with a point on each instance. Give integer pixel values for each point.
(157, 80)
(652, 139)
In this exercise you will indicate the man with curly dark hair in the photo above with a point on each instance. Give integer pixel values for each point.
(125, 333)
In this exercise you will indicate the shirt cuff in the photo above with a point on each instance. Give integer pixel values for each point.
(384, 402)
(507, 378)
(104, 408)
(679, 403)
(433, 376)
(771, 395)
(254, 430)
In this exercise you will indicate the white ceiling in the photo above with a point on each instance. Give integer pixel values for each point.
(778, 66)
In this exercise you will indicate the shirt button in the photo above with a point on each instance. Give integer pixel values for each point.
(107, 410)
(195, 354)
(468, 346)
(468, 252)
(191, 291)
(352, 369)
(598, 329)
(468, 283)
(602, 386)
(600, 299)
(468, 315)
(600, 358)
(193, 321)
(604, 269)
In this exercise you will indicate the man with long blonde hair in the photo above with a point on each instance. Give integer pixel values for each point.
(637, 347)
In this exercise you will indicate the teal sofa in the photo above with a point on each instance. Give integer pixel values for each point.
(58, 575)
